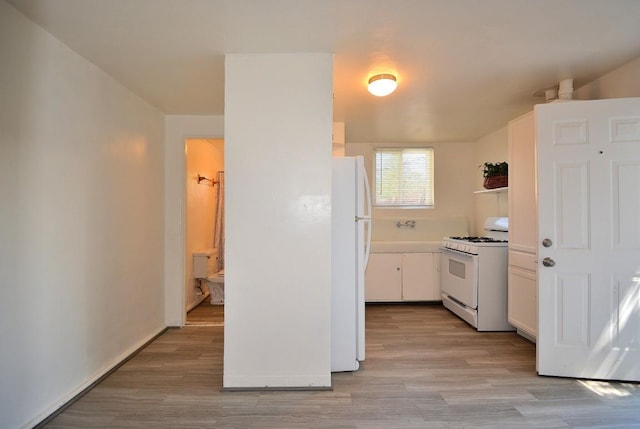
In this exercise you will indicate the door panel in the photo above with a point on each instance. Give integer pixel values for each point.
(572, 302)
(626, 328)
(626, 205)
(588, 156)
(570, 132)
(625, 129)
(572, 202)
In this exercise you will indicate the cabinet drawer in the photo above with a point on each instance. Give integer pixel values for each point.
(526, 261)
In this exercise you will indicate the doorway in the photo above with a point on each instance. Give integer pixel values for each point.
(204, 229)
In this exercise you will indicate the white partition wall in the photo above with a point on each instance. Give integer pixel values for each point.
(278, 168)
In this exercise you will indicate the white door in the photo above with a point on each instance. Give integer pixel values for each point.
(589, 211)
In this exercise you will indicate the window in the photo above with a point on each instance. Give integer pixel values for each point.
(404, 177)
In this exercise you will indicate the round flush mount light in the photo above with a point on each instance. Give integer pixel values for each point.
(382, 84)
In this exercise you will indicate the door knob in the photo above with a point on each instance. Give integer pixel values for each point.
(547, 242)
(548, 262)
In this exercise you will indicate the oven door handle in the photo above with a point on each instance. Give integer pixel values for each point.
(458, 252)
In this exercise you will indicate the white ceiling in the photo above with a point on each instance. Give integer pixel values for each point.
(464, 67)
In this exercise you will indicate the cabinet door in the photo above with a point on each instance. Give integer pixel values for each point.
(523, 221)
(417, 277)
(523, 225)
(383, 279)
(523, 300)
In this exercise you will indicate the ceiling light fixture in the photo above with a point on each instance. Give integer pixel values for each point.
(382, 84)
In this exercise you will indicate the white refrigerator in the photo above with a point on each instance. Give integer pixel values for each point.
(351, 240)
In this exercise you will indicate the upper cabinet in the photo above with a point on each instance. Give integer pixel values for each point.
(523, 226)
(522, 184)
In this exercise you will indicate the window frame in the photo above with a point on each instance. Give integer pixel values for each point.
(430, 172)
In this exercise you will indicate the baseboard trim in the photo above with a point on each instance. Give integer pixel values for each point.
(94, 381)
(276, 389)
(276, 382)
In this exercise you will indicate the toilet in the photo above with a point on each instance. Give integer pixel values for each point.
(205, 263)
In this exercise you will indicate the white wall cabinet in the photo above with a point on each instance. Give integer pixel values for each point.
(394, 277)
(523, 224)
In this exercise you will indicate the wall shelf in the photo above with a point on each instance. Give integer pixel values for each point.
(492, 191)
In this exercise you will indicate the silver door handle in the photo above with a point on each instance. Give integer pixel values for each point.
(548, 262)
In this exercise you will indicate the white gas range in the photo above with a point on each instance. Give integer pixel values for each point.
(474, 277)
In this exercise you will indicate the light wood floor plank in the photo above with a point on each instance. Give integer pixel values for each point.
(425, 368)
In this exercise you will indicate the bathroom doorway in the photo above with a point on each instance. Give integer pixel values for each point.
(204, 229)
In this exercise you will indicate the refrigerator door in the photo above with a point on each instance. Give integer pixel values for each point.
(363, 242)
(344, 263)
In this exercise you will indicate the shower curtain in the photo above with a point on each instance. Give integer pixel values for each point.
(218, 231)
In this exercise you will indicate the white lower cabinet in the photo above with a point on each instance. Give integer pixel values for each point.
(523, 294)
(522, 301)
(383, 279)
(393, 277)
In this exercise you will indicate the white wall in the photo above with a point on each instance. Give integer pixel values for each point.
(178, 128)
(619, 83)
(81, 230)
(490, 148)
(278, 220)
(204, 157)
(454, 169)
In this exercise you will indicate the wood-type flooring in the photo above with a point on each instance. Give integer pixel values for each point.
(424, 368)
(205, 314)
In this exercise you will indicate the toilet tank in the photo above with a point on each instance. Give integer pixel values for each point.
(205, 263)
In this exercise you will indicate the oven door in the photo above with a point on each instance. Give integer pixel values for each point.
(460, 276)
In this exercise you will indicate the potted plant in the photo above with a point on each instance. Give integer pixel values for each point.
(496, 175)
